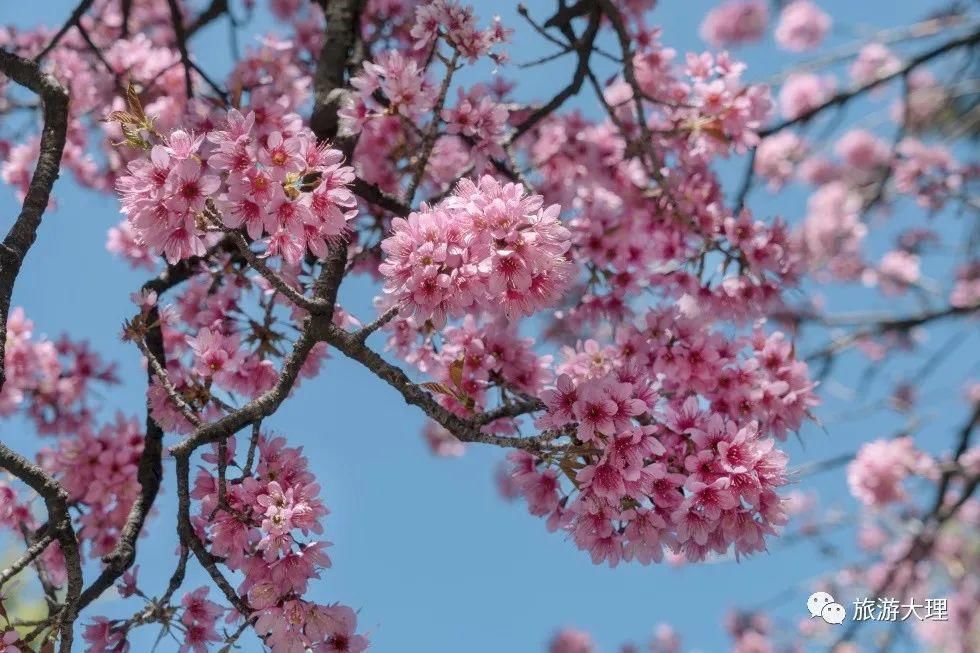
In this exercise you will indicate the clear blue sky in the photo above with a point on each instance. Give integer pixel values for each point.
(424, 548)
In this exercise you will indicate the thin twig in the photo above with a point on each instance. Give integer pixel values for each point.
(180, 34)
(164, 378)
(429, 138)
(72, 21)
(32, 552)
(274, 278)
(381, 320)
(216, 9)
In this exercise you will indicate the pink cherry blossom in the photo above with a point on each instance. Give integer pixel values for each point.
(777, 157)
(487, 245)
(873, 61)
(876, 474)
(803, 92)
(802, 26)
(735, 22)
(586, 276)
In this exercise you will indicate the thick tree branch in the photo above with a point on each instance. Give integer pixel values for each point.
(342, 32)
(22, 234)
(13, 250)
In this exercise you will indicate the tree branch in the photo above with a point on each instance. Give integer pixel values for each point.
(846, 95)
(931, 523)
(180, 34)
(584, 50)
(215, 10)
(190, 539)
(429, 137)
(464, 430)
(22, 234)
(885, 325)
(150, 469)
(72, 21)
(59, 523)
(32, 552)
(341, 34)
(161, 375)
(371, 193)
(266, 403)
(314, 306)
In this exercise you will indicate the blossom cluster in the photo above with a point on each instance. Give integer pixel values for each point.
(199, 616)
(260, 525)
(9, 642)
(659, 427)
(99, 471)
(873, 61)
(635, 230)
(488, 246)
(478, 117)
(475, 361)
(966, 291)
(876, 474)
(929, 173)
(272, 180)
(672, 442)
(735, 22)
(148, 57)
(407, 91)
(457, 24)
(804, 92)
(396, 84)
(832, 234)
(802, 26)
(49, 380)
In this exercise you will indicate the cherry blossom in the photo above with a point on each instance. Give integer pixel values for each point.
(802, 26)
(595, 281)
(487, 245)
(734, 22)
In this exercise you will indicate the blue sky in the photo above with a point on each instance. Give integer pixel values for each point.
(424, 548)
